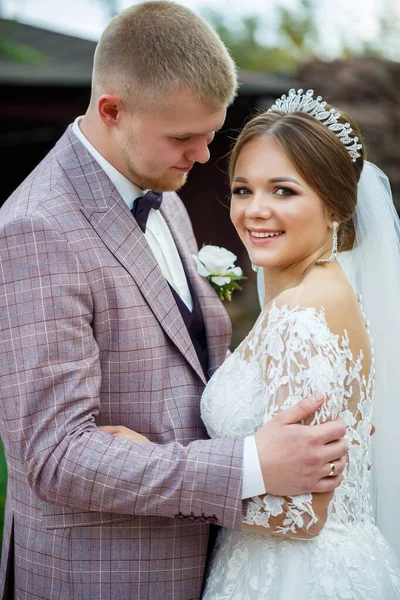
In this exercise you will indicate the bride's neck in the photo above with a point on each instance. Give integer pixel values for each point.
(279, 280)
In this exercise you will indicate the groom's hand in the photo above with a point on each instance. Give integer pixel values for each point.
(296, 459)
(125, 432)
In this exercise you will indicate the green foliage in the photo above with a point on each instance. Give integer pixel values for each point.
(3, 488)
(389, 29)
(225, 291)
(300, 32)
(295, 43)
(385, 44)
(13, 51)
(20, 53)
(297, 38)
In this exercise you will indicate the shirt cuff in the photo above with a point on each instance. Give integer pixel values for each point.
(253, 482)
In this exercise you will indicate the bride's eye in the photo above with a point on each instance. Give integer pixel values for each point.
(284, 191)
(241, 191)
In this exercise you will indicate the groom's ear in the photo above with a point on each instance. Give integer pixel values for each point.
(109, 109)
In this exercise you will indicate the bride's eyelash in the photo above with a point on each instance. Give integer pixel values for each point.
(241, 191)
(287, 191)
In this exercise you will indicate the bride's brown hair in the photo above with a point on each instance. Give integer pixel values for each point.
(318, 155)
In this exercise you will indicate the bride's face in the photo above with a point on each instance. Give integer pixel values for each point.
(279, 218)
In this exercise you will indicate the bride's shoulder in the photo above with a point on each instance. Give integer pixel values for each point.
(336, 303)
(312, 295)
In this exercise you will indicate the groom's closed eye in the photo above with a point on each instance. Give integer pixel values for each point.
(187, 136)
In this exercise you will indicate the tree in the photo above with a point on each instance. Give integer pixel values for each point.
(389, 30)
(296, 38)
(299, 32)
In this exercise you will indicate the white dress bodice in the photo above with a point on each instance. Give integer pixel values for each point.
(289, 354)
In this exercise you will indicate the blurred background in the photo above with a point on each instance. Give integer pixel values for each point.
(347, 51)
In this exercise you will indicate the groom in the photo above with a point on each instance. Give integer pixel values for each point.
(105, 321)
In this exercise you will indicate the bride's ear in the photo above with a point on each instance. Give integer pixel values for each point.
(333, 219)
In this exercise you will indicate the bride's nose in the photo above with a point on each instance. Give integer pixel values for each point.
(258, 208)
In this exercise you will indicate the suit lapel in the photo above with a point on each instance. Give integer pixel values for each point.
(110, 217)
(216, 320)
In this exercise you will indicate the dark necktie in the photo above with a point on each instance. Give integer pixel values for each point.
(142, 206)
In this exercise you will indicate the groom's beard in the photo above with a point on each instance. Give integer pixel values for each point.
(169, 181)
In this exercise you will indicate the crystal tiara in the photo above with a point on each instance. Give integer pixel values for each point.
(299, 102)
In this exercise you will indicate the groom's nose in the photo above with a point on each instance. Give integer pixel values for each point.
(199, 151)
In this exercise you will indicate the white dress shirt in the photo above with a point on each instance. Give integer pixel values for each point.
(162, 245)
(157, 234)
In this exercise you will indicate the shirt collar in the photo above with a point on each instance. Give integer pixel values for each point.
(127, 190)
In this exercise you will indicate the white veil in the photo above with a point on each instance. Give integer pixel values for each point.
(373, 268)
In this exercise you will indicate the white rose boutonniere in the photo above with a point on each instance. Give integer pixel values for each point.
(217, 265)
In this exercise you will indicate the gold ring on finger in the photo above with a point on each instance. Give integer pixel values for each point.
(332, 471)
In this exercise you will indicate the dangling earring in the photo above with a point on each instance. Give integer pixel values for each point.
(254, 267)
(324, 261)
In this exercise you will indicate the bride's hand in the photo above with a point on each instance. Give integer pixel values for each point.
(125, 432)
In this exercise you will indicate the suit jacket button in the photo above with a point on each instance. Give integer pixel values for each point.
(213, 520)
(203, 518)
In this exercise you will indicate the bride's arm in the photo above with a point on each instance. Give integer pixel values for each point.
(312, 514)
(309, 357)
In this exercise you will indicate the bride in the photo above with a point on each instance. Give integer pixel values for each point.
(296, 204)
(319, 224)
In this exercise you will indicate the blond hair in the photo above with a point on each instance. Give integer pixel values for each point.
(318, 155)
(154, 48)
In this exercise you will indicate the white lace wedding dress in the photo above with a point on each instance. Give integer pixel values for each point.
(290, 353)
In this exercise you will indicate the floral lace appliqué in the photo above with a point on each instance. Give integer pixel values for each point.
(289, 354)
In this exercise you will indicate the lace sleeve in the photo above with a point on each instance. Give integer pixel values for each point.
(300, 356)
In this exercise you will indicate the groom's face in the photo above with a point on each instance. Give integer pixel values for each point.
(161, 145)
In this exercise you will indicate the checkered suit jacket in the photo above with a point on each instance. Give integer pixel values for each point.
(91, 335)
